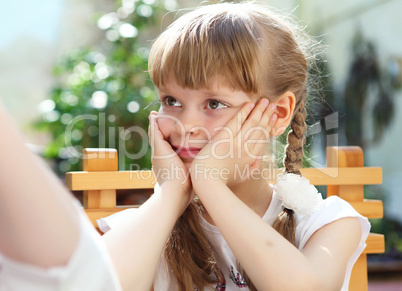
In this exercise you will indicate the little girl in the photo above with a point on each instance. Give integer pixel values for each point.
(230, 77)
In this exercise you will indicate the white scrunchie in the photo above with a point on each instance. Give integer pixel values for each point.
(298, 194)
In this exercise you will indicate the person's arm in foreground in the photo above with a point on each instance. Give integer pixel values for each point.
(38, 221)
(137, 244)
(271, 262)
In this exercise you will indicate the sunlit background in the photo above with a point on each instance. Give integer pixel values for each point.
(63, 58)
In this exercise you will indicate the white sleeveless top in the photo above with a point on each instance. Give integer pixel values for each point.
(332, 209)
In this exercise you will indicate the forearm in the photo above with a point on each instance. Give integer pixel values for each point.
(38, 221)
(267, 257)
(137, 245)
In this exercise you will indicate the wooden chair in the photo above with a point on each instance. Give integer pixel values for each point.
(344, 176)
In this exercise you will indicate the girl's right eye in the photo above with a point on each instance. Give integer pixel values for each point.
(171, 101)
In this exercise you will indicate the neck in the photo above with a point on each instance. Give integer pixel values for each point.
(255, 193)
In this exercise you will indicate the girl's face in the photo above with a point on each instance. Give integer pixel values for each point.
(189, 118)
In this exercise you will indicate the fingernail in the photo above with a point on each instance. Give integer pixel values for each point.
(273, 106)
(274, 117)
(265, 102)
(251, 105)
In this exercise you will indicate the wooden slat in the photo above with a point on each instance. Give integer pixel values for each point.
(100, 198)
(100, 160)
(346, 157)
(358, 278)
(145, 179)
(375, 244)
(97, 159)
(110, 180)
(369, 208)
(344, 176)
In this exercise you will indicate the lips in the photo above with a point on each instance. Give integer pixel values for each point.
(184, 152)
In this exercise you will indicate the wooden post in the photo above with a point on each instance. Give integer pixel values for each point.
(350, 157)
(96, 160)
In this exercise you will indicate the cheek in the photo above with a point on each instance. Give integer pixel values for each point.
(166, 124)
(214, 125)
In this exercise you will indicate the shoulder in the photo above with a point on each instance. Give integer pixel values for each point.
(333, 209)
(334, 236)
(337, 246)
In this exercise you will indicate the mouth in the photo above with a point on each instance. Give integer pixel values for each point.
(184, 152)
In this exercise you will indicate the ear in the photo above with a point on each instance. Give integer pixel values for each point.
(285, 105)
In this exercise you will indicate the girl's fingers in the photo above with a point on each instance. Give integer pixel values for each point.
(249, 116)
(251, 122)
(267, 115)
(234, 125)
(161, 149)
(262, 128)
(155, 136)
(256, 129)
(265, 131)
(151, 130)
(257, 117)
(258, 140)
(151, 126)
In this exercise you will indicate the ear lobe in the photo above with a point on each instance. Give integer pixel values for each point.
(285, 106)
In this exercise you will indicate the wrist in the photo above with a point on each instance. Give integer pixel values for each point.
(208, 185)
(177, 196)
(208, 175)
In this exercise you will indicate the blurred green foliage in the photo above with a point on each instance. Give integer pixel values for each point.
(103, 94)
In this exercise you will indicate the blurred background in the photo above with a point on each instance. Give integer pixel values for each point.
(61, 59)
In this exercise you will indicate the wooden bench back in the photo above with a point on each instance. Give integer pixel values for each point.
(345, 176)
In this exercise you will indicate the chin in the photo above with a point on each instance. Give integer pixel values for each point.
(187, 165)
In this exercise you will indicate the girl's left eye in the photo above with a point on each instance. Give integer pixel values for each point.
(215, 104)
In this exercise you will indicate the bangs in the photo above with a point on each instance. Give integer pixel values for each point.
(206, 44)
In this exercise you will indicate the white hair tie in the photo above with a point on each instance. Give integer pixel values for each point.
(298, 194)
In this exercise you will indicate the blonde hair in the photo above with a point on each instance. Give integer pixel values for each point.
(255, 51)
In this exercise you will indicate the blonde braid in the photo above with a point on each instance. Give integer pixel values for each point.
(296, 139)
(285, 224)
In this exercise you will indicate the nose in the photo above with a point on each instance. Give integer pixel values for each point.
(190, 123)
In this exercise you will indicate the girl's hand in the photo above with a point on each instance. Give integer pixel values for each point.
(235, 150)
(166, 164)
